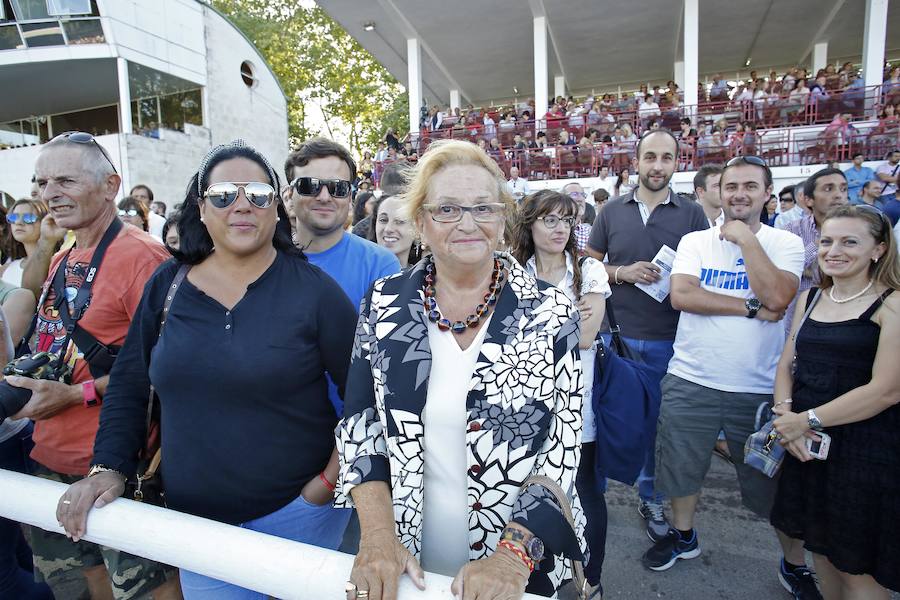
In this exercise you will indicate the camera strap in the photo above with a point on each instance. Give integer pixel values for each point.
(100, 358)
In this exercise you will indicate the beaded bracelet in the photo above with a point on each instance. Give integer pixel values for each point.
(327, 483)
(518, 552)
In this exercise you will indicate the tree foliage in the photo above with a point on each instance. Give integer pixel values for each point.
(315, 60)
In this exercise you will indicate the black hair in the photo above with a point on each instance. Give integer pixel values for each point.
(141, 186)
(855, 154)
(194, 241)
(317, 147)
(704, 172)
(172, 221)
(788, 189)
(590, 213)
(650, 132)
(359, 208)
(810, 186)
(740, 161)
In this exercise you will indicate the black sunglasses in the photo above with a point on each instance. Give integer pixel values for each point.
(311, 186)
(80, 137)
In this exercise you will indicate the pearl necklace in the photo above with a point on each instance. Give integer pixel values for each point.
(853, 297)
(458, 327)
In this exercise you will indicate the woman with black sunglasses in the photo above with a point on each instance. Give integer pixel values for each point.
(240, 372)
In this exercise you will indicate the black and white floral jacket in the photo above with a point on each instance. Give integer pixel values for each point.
(524, 415)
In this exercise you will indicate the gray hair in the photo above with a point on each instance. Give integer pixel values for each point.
(97, 167)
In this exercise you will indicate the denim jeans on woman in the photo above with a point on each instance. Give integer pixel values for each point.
(299, 521)
(16, 568)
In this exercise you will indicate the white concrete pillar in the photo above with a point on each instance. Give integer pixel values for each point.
(124, 96)
(874, 39)
(559, 86)
(819, 57)
(454, 99)
(414, 84)
(541, 83)
(691, 35)
(679, 74)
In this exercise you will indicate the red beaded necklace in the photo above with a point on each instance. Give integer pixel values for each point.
(490, 299)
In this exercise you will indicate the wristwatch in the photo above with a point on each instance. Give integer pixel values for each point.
(89, 393)
(103, 469)
(534, 546)
(753, 305)
(814, 423)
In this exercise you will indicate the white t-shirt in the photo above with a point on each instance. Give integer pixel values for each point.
(594, 280)
(156, 224)
(518, 187)
(13, 273)
(731, 354)
(608, 184)
(445, 515)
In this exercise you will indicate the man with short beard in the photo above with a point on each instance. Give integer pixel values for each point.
(732, 284)
(629, 232)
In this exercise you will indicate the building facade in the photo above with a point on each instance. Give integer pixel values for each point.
(158, 82)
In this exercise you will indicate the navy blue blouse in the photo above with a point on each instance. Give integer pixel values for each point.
(245, 415)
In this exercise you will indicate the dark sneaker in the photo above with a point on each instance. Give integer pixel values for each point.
(665, 552)
(799, 582)
(657, 525)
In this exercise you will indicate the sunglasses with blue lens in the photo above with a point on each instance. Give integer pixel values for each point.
(26, 218)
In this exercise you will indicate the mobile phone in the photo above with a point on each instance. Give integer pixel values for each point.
(819, 448)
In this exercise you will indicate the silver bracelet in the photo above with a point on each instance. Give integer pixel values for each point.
(616, 275)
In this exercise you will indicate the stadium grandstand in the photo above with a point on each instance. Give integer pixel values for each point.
(560, 89)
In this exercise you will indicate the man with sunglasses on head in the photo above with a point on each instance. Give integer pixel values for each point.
(95, 293)
(732, 284)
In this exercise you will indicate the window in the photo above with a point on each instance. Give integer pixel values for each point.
(48, 33)
(30, 10)
(68, 8)
(248, 74)
(9, 38)
(84, 31)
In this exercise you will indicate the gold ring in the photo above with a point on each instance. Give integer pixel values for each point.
(362, 594)
(67, 502)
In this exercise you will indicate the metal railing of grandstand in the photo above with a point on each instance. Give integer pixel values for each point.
(785, 133)
(270, 565)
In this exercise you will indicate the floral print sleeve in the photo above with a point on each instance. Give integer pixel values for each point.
(360, 436)
(536, 508)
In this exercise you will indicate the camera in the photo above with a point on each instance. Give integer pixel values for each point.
(42, 365)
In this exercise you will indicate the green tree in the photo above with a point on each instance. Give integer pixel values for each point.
(315, 60)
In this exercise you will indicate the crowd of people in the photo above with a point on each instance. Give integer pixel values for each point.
(413, 376)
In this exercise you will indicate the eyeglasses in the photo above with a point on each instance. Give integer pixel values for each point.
(311, 186)
(748, 158)
(131, 212)
(552, 221)
(453, 213)
(80, 137)
(577, 195)
(26, 218)
(223, 195)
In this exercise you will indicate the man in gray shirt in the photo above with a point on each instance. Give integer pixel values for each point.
(628, 233)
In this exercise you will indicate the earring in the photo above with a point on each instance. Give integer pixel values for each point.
(201, 220)
(277, 219)
(876, 260)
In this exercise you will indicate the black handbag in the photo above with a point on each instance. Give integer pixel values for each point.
(147, 485)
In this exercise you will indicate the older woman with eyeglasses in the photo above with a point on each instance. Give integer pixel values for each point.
(465, 382)
(240, 372)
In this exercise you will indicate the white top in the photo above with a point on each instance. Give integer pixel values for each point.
(594, 280)
(718, 222)
(518, 187)
(445, 515)
(788, 216)
(730, 353)
(13, 273)
(156, 224)
(608, 184)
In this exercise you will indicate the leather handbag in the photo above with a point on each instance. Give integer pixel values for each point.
(762, 450)
(147, 486)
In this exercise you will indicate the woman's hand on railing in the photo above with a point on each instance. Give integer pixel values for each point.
(380, 562)
(500, 576)
(90, 492)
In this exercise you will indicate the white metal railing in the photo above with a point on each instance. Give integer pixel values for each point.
(271, 565)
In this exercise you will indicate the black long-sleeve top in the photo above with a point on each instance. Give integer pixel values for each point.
(245, 415)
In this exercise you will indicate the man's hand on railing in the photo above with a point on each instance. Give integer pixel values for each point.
(90, 492)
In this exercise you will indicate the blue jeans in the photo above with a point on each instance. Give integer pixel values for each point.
(657, 354)
(16, 568)
(300, 521)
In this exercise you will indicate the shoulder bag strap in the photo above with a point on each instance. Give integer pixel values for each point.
(811, 305)
(170, 296)
(893, 173)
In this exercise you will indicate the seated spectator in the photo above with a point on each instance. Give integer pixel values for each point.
(818, 92)
(494, 150)
(490, 128)
(857, 176)
(624, 183)
(246, 280)
(565, 139)
(718, 92)
(883, 136)
(870, 195)
(890, 89)
(647, 110)
(390, 138)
